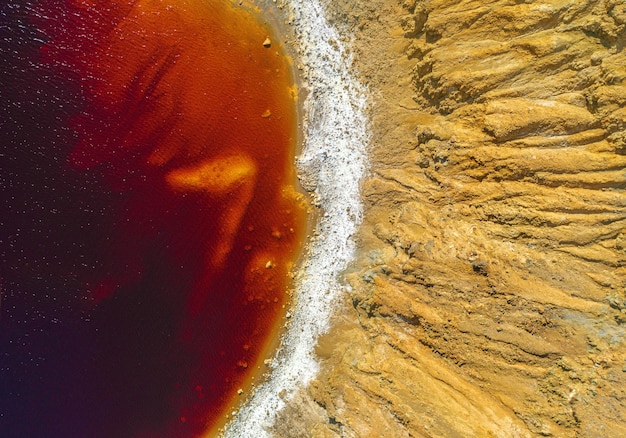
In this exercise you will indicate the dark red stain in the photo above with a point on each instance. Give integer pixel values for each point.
(149, 218)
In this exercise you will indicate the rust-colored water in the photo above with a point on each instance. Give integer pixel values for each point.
(149, 216)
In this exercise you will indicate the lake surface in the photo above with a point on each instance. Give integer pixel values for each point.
(149, 213)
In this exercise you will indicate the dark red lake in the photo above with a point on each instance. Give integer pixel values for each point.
(149, 218)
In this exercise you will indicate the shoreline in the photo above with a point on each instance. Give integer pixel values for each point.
(331, 165)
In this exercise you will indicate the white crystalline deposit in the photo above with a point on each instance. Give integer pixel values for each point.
(333, 160)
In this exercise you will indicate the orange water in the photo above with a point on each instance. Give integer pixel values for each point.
(159, 138)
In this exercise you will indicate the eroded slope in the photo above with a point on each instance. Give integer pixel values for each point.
(489, 295)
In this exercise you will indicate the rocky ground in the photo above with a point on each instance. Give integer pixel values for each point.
(488, 297)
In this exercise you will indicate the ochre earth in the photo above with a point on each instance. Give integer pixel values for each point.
(488, 295)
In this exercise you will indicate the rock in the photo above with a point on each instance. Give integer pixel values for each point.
(512, 152)
(507, 119)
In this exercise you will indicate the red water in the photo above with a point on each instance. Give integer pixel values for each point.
(149, 216)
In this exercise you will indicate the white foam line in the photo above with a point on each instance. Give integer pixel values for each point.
(334, 157)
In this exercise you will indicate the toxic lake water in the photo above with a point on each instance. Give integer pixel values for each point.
(150, 217)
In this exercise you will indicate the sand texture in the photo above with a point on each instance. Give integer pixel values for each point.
(488, 294)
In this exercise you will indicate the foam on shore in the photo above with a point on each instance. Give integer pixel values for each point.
(332, 164)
